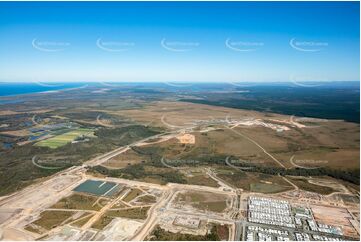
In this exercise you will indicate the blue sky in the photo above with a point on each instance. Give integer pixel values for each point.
(184, 41)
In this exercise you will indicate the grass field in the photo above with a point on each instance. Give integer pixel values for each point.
(63, 139)
(52, 219)
(202, 180)
(147, 199)
(35, 229)
(217, 232)
(120, 204)
(132, 194)
(78, 201)
(129, 157)
(102, 222)
(82, 220)
(241, 179)
(268, 188)
(203, 201)
(132, 213)
(305, 185)
(334, 142)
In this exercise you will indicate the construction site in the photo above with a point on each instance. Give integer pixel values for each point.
(181, 197)
(77, 206)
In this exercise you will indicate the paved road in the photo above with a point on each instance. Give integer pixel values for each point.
(240, 230)
(151, 220)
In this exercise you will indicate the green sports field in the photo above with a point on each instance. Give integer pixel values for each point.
(63, 139)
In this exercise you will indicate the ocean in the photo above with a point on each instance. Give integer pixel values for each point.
(10, 89)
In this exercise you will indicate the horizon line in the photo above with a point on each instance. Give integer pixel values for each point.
(212, 82)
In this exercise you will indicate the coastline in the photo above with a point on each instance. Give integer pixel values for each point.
(51, 89)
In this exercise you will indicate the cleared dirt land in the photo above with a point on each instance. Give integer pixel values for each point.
(204, 201)
(332, 143)
(181, 114)
(335, 216)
